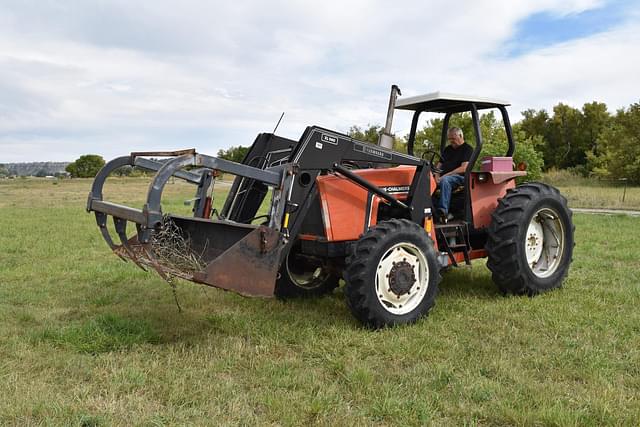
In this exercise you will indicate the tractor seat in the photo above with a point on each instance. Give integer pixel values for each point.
(459, 189)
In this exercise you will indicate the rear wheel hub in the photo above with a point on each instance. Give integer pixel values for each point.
(544, 242)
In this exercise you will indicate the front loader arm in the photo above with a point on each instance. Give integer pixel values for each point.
(322, 151)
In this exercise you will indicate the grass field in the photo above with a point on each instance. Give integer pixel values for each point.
(86, 339)
(592, 193)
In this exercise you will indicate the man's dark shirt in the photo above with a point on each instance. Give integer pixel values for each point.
(454, 157)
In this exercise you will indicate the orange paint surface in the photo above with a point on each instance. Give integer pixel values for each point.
(484, 198)
(344, 203)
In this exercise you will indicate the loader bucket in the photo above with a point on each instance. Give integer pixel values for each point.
(243, 258)
(234, 257)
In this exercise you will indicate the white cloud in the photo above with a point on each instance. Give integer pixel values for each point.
(117, 77)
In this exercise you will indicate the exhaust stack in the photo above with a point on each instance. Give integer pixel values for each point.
(386, 138)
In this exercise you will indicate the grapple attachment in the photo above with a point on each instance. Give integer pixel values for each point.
(240, 257)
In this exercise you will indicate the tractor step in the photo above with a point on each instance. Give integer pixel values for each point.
(454, 236)
(450, 228)
(450, 224)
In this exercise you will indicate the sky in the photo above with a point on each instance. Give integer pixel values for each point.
(111, 77)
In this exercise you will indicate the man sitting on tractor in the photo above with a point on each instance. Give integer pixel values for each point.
(453, 164)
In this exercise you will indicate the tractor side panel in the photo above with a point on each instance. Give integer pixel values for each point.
(484, 199)
(348, 209)
(343, 205)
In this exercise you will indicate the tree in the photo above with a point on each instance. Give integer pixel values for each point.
(86, 166)
(123, 171)
(535, 123)
(494, 140)
(495, 144)
(3, 171)
(595, 119)
(564, 147)
(428, 138)
(371, 134)
(569, 136)
(527, 151)
(234, 154)
(431, 135)
(620, 147)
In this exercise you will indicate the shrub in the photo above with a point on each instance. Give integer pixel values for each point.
(86, 166)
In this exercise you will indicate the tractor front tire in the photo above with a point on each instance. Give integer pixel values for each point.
(392, 274)
(303, 276)
(530, 240)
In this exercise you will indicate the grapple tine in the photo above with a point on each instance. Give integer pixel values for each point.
(146, 247)
(115, 248)
(154, 262)
(121, 229)
(101, 220)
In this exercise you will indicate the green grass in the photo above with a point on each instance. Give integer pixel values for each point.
(584, 192)
(602, 197)
(86, 339)
(104, 333)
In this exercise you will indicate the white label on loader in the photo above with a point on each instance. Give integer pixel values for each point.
(319, 145)
(330, 139)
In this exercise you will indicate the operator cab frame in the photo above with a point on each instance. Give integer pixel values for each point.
(450, 104)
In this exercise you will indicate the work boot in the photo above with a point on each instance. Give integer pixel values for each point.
(443, 216)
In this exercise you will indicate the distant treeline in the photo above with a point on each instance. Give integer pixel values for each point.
(33, 169)
(589, 141)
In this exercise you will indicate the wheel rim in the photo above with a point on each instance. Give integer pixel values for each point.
(307, 279)
(402, 278)
(544, 242)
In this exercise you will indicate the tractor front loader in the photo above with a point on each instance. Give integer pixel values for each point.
(342, 208)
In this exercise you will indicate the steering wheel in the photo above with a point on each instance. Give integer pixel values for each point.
(432, 163)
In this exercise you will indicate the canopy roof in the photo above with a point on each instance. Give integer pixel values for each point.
(441, 102)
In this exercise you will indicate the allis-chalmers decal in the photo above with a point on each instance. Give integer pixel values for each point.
(396, 189)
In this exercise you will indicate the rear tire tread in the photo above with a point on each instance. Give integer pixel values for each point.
(505, 258)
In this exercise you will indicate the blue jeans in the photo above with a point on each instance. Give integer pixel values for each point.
(447, 185)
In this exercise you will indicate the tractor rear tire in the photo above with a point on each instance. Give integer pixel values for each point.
(392, 274)
(530, 240)
(302, 276)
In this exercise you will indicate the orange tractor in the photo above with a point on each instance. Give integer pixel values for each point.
(342, 208)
